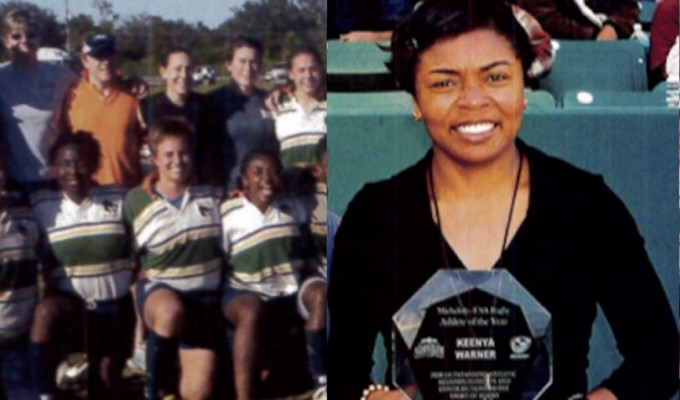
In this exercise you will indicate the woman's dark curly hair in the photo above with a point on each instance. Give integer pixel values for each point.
(261, 153)
(89, 147)
(434, 20)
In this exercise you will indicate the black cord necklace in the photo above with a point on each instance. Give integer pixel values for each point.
(461, 303)
(442, 241)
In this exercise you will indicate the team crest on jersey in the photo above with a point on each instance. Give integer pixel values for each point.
(110, 206)
(205, 211)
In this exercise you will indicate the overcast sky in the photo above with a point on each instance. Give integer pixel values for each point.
(210, 12)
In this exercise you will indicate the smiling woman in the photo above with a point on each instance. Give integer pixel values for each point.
(176, 233)
(179, 100)
(482, 200)
(301, 118)
(87, 269)
(471, 101)
(241, 108)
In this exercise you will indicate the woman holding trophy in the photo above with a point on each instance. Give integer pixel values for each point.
(549, 241)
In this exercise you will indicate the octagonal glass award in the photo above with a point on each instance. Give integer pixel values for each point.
(472, 335)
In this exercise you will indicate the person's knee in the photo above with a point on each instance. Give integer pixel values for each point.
(314, 297)
(193, 390)
(195, 394)
(245, 310)
(166, 318)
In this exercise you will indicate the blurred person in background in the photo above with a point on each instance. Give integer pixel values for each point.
(19, 290)
(663, 35)
(360, 20)
(179, 100)
(31, 97)
(585, 19)
(301, 117)
(241, 108)
(102, 104)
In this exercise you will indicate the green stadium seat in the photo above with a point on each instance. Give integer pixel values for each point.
(614, 99)
(394, 102)
(358, 67)
(660, 87)
(591, 65)
(539, 99)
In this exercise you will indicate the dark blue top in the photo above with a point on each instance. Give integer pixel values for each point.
(372, 15)
(248, 125)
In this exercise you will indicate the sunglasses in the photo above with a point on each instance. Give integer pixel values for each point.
(28, 35)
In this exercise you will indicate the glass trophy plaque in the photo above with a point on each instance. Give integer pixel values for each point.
(473, 335)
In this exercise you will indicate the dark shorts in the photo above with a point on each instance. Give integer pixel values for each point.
(15, 382)
(203, 319)
(229, 294)
(108, 326)
(283, 308)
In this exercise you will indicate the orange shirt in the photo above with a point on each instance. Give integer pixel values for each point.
(113, 122)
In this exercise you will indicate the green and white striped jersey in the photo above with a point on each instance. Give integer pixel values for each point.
(299, 132)
(178, 246)
(88, 246)
(319, 225)
(18, 271)
(266, 252)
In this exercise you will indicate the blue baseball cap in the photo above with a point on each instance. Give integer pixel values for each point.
(100, 45)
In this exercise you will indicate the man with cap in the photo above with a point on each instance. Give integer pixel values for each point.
(100, 104)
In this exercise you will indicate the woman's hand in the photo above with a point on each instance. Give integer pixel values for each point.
(601, 394)
(366, 36)
(391, 395)
(607, 33)
(276, 97)
(136, 86)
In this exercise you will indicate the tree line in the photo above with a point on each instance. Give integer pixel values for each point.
(281, 25)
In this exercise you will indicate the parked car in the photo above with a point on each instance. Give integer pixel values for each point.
(54, 55)
(204, 74)
(277, 74)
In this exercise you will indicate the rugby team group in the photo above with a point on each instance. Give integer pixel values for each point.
(164, 220)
